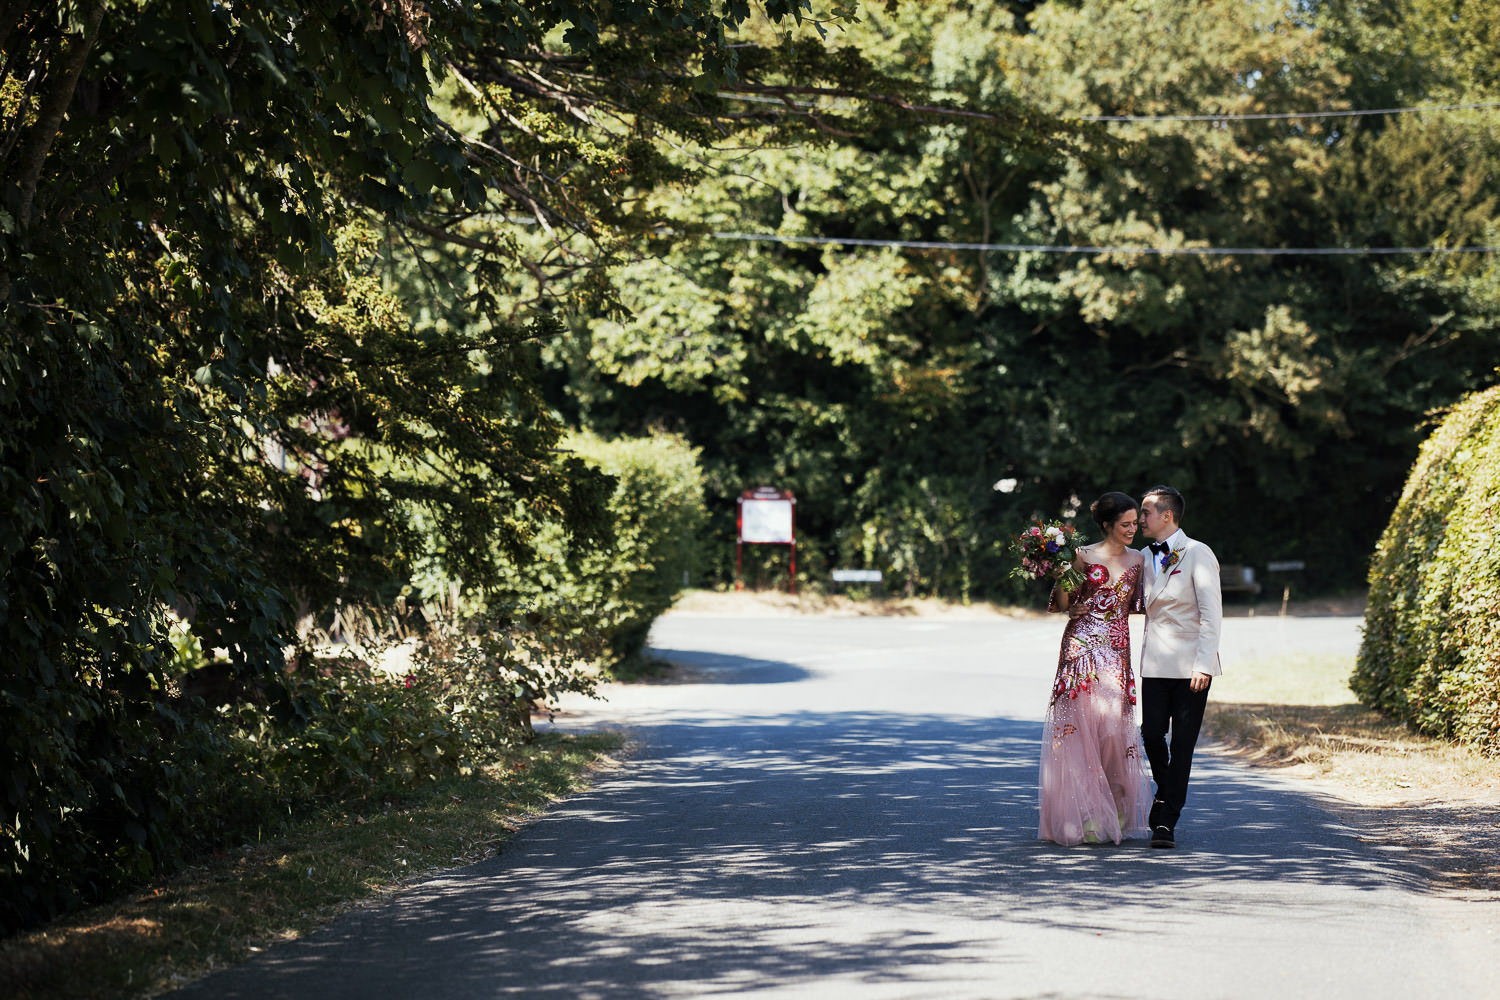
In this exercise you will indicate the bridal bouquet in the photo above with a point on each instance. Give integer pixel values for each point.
(1047, 552)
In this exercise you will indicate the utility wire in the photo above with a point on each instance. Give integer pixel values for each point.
(1254, 116)
(1283, 115)
(1068, 248)
(1156, 251)
(1077, 249)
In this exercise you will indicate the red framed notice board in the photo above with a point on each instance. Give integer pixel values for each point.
(765, 516)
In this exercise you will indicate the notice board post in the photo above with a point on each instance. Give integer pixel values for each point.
(1284, 568)
(765, 516)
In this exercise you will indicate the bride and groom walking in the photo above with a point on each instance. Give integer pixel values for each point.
(1094, 784)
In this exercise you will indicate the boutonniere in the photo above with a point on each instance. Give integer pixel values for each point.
(1173, 560)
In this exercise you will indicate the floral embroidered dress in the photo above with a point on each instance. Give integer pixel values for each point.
(1094, 784)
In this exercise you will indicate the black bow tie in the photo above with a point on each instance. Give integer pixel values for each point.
(1157, 548)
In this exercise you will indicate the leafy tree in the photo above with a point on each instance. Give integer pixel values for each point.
(892, 389)
(243, 362)
(797, 365)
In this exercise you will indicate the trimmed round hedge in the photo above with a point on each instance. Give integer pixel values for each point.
(1431, 650)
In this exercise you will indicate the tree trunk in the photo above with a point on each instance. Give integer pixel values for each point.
(54, 105)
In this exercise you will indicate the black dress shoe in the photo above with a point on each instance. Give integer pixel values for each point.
(1161, 836)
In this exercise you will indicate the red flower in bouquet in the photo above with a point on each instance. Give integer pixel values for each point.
(1046, 551)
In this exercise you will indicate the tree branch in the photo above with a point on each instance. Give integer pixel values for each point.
(50, 115)
(439, 233)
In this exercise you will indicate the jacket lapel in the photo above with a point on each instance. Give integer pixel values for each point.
(1159, 580)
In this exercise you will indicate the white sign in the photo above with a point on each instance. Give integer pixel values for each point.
(766, 521)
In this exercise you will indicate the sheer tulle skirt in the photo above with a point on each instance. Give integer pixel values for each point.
(1094, 782)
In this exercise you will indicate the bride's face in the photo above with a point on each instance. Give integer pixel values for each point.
(1123, 530)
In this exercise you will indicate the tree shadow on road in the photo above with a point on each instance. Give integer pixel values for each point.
(694, 667)
(738, 852)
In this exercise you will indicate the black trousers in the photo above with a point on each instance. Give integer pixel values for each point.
(1170, 704)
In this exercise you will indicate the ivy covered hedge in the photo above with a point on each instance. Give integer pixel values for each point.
(187, 776)
(610, 588)
(1431, 650)
(658, 519)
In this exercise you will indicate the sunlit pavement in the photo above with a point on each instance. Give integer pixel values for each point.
(846, 807)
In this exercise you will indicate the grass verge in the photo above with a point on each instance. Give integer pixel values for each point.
(230, 906)
(1436, 803)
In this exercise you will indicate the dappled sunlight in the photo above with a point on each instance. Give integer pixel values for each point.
(862, 846)
(750, 848)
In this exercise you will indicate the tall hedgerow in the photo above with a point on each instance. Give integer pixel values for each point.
(1431, 650)
(659, 517)
(608, 588)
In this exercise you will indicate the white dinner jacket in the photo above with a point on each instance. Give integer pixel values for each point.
(1184, 612)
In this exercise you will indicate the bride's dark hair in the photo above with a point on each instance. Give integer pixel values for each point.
(1110, 508)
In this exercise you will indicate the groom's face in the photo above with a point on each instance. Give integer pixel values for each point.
(1156, 523)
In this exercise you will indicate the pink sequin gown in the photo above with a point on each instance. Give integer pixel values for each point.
(1094, 782)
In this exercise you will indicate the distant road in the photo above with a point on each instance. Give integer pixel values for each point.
(845, 807)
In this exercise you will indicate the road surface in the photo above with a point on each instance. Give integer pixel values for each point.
(845, 807)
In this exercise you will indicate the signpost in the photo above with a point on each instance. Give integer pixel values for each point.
(766, 516)
(1289, 566)
(861, 576)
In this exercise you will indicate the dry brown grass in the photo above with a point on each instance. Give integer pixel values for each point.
(1436, 803)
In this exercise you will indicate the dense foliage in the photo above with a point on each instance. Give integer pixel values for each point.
(269, 344)
(658, 519)
(300, 300)
(1431, 649)
(614, 588)
(210, 407)
(923, 403)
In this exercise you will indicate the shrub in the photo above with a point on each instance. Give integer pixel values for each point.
(658, 520)
(335, 731)
(609, 587)
(1431, 649)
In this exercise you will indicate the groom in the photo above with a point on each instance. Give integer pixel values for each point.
(1179, 654)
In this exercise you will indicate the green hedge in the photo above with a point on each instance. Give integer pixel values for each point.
(180, 778)
(1431, 650)
(659, 517)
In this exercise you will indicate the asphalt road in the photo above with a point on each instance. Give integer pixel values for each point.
(846, 808)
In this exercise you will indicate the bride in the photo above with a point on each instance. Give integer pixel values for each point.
(1094, 785)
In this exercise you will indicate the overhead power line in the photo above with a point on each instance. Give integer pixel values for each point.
(1225, 117)
(1075, 249)
(1285, 115)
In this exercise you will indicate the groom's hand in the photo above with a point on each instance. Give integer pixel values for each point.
(1200, 681)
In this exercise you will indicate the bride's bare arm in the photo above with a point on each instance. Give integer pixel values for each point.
(1061, 599)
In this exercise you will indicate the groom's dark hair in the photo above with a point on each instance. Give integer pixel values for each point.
(1169, 498)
